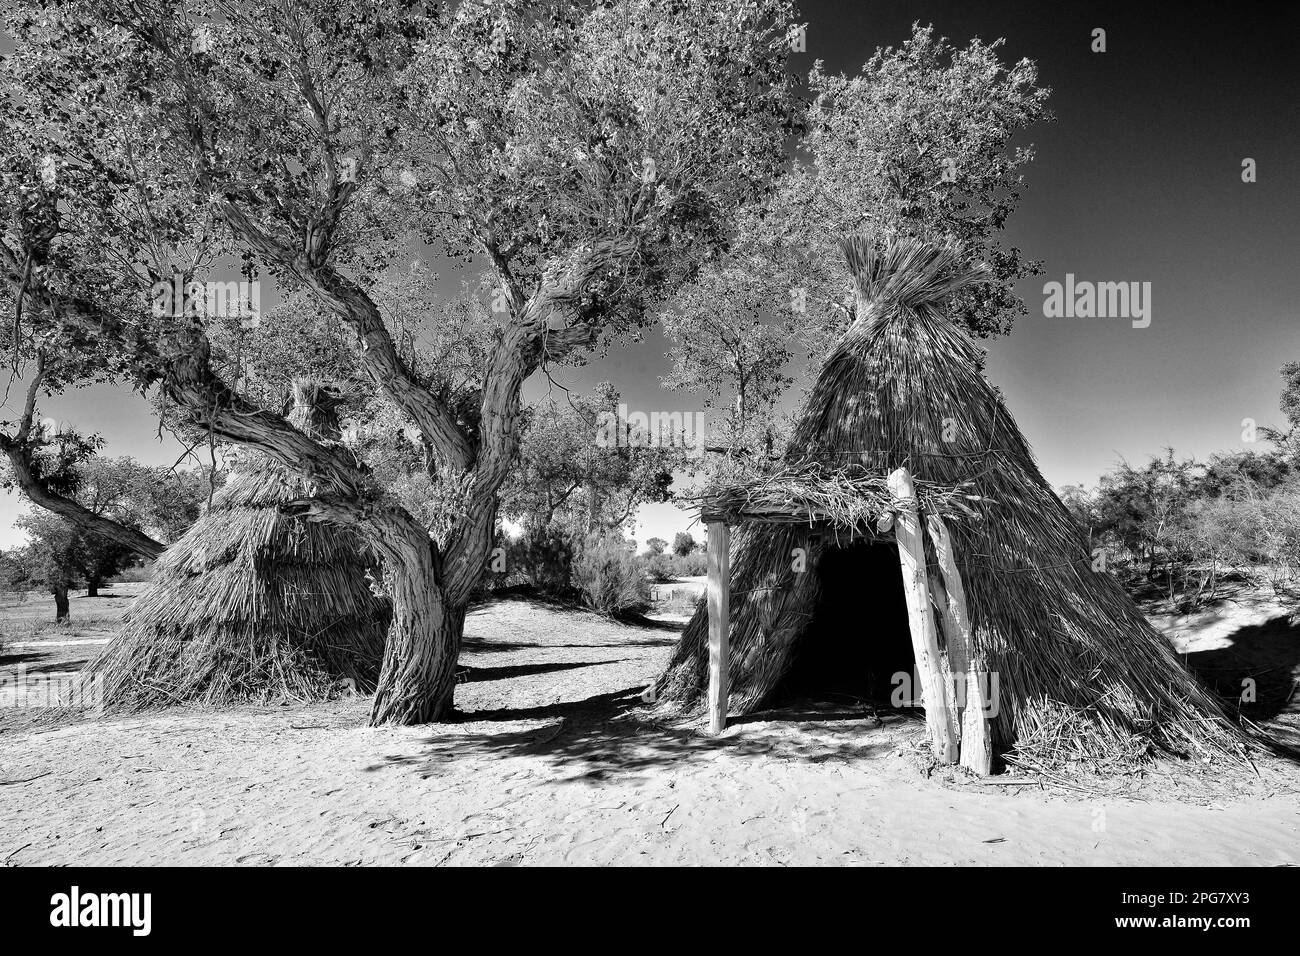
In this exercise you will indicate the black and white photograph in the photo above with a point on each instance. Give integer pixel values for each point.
(651, 433)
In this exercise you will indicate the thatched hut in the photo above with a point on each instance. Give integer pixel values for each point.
(251, 604)
(910, 504)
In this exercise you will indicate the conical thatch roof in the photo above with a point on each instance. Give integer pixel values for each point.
(904, 388)
(250, 604)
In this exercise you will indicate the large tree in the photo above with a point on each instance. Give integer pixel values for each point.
(590, 155)
(922, 141)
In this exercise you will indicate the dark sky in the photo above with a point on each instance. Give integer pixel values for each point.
(1139, 179)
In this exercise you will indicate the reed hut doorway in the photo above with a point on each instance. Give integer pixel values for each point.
(947, 673)
(858, 638)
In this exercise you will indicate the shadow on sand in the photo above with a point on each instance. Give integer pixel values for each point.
(476, 674)
(614, 735)
(36, 662)
(1263, 659)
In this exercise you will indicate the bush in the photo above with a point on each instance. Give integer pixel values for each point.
(693, 565)
(670, 567)
(610, 576)
(133, 574)
(660, 568)
(683, 543)
(542, 558)
(1249, 529)
(1256, 528)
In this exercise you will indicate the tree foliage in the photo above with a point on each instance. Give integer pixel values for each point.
(588, 156)
(922, 141)
(571, 474)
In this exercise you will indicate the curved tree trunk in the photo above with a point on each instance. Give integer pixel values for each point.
(430, 592)
(60, 592)
(417, 680)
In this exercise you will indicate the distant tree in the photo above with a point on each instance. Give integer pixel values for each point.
(656, 546)
(725, 341)
(59, 555)
(48, 467)
(1082, 505)
(1264, 469)
(572, 473)
(117, 504)
(15, 578)
(683, 543)
(1286, 441)
(158, 500)
(1290, 401)
(1143, 509)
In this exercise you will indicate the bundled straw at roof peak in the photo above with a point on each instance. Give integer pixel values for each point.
(907, 273)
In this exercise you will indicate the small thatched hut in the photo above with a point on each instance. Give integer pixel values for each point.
(250, 604)
(910, 505)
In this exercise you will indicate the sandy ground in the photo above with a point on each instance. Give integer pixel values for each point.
(1243, 646)
(555, 762)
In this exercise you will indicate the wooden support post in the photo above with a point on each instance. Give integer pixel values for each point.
(925, 634)
(976, 739)
(951, 658)
(719, 564)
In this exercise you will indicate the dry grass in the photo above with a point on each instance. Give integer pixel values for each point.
(850, 498)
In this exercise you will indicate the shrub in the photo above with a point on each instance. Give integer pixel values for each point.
(670, 567)
(135, 573)
(692, 565)
(683, 543)
(660, 567)
(610, 576)
(1249, 529)
(542, 557)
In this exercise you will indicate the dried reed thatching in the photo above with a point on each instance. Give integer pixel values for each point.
(250, 604)
(845, 498)
(904, 388)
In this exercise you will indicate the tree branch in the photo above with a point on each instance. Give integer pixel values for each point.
(347, 300)
(21, 452)
(81, 517)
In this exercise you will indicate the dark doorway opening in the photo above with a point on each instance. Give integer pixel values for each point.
(858, 638)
